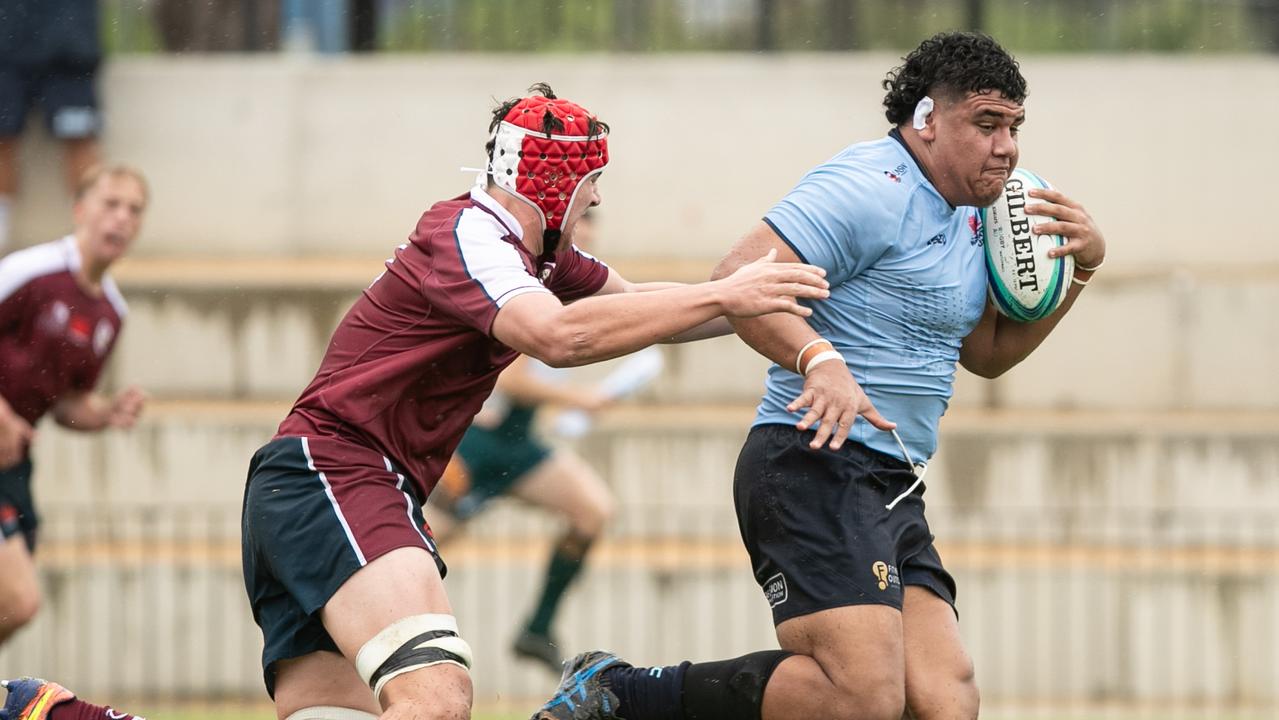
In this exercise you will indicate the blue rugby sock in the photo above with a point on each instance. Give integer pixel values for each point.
(648, 693)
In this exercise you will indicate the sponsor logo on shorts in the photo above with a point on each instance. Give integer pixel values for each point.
(886, 575)
(775, 590)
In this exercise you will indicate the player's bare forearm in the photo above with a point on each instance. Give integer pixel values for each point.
(85, 412)
(776, 337)
(606, 326)
(89, 411)
(714, 328)
(999, 343)
(717, 327)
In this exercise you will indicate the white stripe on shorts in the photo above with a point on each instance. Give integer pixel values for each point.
(337, 509)
(408, 504)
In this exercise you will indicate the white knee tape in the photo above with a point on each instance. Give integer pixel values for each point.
(409, 644)
(329, 712)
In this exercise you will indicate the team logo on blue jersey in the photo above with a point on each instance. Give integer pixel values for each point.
(978, 231)
(897, 173)
(938, 239)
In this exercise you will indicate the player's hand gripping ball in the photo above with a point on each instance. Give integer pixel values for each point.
(1025, 283)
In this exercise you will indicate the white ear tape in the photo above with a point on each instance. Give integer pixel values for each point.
(922, 111)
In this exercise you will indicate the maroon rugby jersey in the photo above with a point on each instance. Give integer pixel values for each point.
(414, 358)
(54, 336)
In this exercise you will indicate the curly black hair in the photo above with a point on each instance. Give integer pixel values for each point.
(550, 123)
(953, 62)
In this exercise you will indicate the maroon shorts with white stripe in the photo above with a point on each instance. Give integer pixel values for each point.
(316, 510)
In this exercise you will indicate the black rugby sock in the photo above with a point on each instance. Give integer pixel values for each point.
(724, 690)
(729, 689)
(647, 693)
(567, 560)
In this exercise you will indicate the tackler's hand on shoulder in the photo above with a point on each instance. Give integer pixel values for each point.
(1072, 221)
(835, 400)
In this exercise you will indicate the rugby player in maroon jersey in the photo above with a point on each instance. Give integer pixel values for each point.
(342, 572)
(60, 316)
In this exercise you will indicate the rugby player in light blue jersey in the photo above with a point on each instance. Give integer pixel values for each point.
(827, 485)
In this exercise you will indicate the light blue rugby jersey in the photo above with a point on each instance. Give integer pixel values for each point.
(908, 283)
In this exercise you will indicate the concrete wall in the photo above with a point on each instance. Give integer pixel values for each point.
(265, 156)
(1188, 340)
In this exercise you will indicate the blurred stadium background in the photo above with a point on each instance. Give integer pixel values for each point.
(1110, 508)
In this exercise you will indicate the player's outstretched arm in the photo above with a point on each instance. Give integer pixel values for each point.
(999, 343)
(831, 395)
(716, 327)
(608, 326)
(89, 411)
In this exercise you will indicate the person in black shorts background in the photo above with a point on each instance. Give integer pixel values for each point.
(49, 57)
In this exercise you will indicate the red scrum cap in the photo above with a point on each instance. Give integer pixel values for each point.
(544, 148)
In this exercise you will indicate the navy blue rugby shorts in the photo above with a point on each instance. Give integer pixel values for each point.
(817, 529)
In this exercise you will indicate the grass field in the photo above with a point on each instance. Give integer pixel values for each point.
(263, 714)
(268, 715)
(271, 716)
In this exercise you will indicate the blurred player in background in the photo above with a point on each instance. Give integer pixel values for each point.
(49, 56)
(863, 607)
(60, 317)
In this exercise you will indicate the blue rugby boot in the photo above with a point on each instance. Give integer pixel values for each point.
(32, 698)
(581, 694)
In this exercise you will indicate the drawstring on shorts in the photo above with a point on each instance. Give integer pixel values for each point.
(920, 469)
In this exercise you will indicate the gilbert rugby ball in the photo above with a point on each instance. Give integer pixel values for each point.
(1025, 284)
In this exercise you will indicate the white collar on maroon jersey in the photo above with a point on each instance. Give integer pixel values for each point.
(480, 196)
(71, 249)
